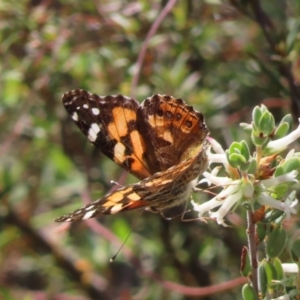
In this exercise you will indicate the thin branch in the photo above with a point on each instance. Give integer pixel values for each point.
(168, 285)
(204, 291)
(252, 246)
(170, 4)
(94, 289)
(264, 22)
(284, 67)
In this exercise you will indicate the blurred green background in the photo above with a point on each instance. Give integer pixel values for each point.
(222, 58)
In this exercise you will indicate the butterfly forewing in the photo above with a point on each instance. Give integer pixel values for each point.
(110, 124)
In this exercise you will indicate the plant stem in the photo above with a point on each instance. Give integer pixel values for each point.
(252, 246)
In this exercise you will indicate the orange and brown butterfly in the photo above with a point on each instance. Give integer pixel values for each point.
(161, 141)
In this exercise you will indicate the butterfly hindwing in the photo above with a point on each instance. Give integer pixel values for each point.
(157, 192)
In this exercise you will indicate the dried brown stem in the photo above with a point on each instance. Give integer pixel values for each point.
(38, 241)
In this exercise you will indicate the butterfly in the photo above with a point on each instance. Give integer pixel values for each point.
(161, 141)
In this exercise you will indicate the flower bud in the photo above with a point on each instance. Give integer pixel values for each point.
(238, 155)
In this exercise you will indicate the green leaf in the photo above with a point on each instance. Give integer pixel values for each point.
(295, 251)
(262, 278)
(266, 123)
(248, 292)
(278, 267)
(276, 241)
(281, 130)
(261, 231)
(256, 116)
(272, 215)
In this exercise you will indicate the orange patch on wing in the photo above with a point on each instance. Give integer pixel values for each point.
(113, 199)
(138, 144)
(113, 131)
(167, 136)
(137, 204)
(151, 120)
(133, 197)
(123, 116)
(120, 120)
(139, 168)
(130, 114)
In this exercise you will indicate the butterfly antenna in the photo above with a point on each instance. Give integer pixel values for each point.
(116, 183)
(127, 237)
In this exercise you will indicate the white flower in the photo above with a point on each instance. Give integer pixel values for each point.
(288, 177)
(281, 144)
(290, 268)
(211, 178)
(287, 206)
(230, 195)
(219, 156)
(246, 188)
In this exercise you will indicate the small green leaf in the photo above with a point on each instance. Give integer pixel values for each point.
(290, 165)
(256, 116)
(266, 123)
(248, 292)
(276, 241)
(236, 160)
(245, 150)
(261, 231)
(270, 272)
(252, 166)
(262, 278)
(281, 130)
(272, 215)
(261, 141)
(278, 267)
(295, 251)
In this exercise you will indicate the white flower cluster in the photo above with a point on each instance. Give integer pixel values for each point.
(248, 187)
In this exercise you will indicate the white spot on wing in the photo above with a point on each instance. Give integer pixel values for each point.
(95, 111)
(85, 106)
(116, 208)
(90, 207)
(75, 116)
(119, 152)
(88, 214)
(93, 132)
